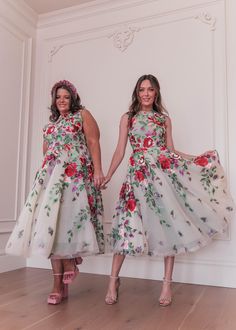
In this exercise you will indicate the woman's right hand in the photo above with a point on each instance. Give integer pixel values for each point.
(98, 178)
(105, 181)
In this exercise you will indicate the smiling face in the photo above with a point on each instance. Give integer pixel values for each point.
(146, 95)
(63, 100)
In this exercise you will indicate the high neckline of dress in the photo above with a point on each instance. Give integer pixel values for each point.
(64, 115)
(146, 111)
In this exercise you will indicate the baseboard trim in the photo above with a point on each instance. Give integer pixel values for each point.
(8, 263)
(185, 271)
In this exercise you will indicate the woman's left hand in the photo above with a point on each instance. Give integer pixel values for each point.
(98, 178)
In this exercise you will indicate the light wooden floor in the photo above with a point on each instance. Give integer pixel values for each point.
(23, 305)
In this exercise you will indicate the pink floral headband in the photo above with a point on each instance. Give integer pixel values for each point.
(66, 83)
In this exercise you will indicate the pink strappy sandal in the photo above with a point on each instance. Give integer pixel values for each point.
(69, 276)
(56, 298)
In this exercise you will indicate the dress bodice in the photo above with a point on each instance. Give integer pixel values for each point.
(65, 133)
(147, 130)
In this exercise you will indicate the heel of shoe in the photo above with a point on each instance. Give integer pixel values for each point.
(69, 276)
(65, 291)
(54, 298)
(165, 301)
(111, 300)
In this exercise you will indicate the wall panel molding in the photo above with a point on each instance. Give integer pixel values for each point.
(96, 9)
(22, 140)
(123, 36)
(17, 24)
(101, 40)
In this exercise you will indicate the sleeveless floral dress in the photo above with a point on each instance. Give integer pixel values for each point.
(62, 216)
(168, 205)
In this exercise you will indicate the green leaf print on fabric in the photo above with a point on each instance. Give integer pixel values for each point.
(80, 218)
(48, 208)
(208, 177)
(20, 233)
(167, 204)
(50, 231)
(60, 191)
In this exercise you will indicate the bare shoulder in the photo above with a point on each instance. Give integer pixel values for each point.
(124, 120)
(167, 119)
(87, 116)
(85, 113)
(125, 117)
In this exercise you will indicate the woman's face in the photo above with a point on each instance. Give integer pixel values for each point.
(146, 95)
(63, 101)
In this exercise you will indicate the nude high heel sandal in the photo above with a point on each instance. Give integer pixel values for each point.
(111, 300)
(165, 301)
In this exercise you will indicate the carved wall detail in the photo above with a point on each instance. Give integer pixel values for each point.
(207, 18)
(123, 38)
(53, 51)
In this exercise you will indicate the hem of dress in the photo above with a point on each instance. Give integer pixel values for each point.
(76, 255)
(181, 251)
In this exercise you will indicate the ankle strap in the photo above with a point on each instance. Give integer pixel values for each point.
(114, 277)
(57, 274)
(167, 281)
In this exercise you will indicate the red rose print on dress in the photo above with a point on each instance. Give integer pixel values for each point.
(70, 129)
(48, 158)
(50, 129)
(131, 204)
(67, 147)
(201, 161)
(139, 176)
(156, 121)
(90, 171)
(122, 191)
(163, 148)
(71, 169)
(83, 160)
(75, 128)
(131, 161)
(90, 200)
(164, 161)
(148, 142)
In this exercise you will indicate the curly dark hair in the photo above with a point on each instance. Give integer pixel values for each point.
(75, 102)
(135, 103)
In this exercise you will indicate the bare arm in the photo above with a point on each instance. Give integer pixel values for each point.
(170, 143)
(169, 139)
(45, 147)
(120, 148)
(92, 135)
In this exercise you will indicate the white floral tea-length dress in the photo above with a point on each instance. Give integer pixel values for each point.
(168, 205)
(62, 216)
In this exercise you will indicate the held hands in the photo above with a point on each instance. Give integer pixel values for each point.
(98, 179)
(105, 181)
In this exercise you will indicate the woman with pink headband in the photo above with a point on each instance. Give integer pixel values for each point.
(62, 217)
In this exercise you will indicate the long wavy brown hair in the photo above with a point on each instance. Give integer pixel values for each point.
(75, 102)
(135, 102)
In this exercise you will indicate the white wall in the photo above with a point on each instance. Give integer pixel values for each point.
(103, 48)
(17, 35)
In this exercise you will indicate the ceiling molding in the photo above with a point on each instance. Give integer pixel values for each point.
(87, 10)
(23, 10)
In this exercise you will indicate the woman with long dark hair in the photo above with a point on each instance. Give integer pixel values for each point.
(170, 202)
(62, 217)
